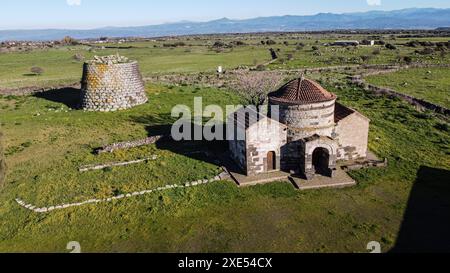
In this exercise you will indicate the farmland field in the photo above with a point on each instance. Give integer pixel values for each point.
(431, 84)
(47, 140)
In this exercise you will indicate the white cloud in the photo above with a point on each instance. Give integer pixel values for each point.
(74, 2)
(374, 2)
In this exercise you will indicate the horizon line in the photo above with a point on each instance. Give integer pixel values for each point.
(207, 21)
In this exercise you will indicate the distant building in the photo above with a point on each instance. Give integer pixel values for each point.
(312, 134)
(368, 42)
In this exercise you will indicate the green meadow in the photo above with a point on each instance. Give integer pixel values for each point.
(430, 84)
(46, 142)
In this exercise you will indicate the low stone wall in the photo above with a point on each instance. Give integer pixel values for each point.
(366, 164)
(112, 87)
(31, 90)
(410, 99)
(34, 208)
(129, 144)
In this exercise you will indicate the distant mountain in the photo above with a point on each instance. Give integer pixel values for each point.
(428, 18)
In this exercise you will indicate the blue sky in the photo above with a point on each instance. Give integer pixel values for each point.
(32, 14)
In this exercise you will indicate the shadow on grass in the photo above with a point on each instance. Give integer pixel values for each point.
(426, 224)
(71, 97)
(202, 150)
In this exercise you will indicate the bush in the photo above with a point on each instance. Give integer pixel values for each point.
(219, 44)
(407, 59)
(442, 127)
(365, 58)
(390, 46)
(37, 70)
(260, 67)
(176, 44)
(315, 48)
(271, 42)
(425, 51)
(239, 43)
(78, 57)
(376, 51)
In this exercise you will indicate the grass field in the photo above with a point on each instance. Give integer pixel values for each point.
(60, 67)
(431, 84)
(46, 142)
(199, 55)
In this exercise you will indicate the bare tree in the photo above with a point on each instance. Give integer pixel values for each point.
(69, 41)
(255, 86)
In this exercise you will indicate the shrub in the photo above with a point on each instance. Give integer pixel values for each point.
(239, 43)
(37, 70)
(407, 59)
(176, 44)
(315, 48)
(219, 44)
(78, 57)
(442, 127)
(271, 42)
(365, 58)
(390, 46)
(376, 51)
(260, 67)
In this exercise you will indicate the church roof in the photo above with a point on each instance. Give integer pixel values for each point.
(301, 91)
(244, 118)
(341, 112)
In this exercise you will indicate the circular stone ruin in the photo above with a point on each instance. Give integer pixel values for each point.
(111, 83)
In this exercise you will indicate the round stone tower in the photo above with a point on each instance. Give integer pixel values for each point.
(306, 108)
(308, 111)
(112, 83)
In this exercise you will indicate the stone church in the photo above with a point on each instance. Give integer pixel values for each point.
(312, 134)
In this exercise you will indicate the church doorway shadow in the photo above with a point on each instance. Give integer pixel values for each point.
(426, 223)
(321, 162)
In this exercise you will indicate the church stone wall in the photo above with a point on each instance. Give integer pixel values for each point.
(307, 120)
(238, 152)
(352, 134)
(112, 87)
(262, 138)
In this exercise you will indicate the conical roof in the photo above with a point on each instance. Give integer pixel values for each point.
(301, 91)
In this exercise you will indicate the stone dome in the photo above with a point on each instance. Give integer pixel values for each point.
(305, 107)
(301, 91)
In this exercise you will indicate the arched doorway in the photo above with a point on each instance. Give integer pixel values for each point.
(271, 161)
(321, 161)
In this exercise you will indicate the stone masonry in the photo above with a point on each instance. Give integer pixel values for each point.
(110, 86)
(312, 133)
